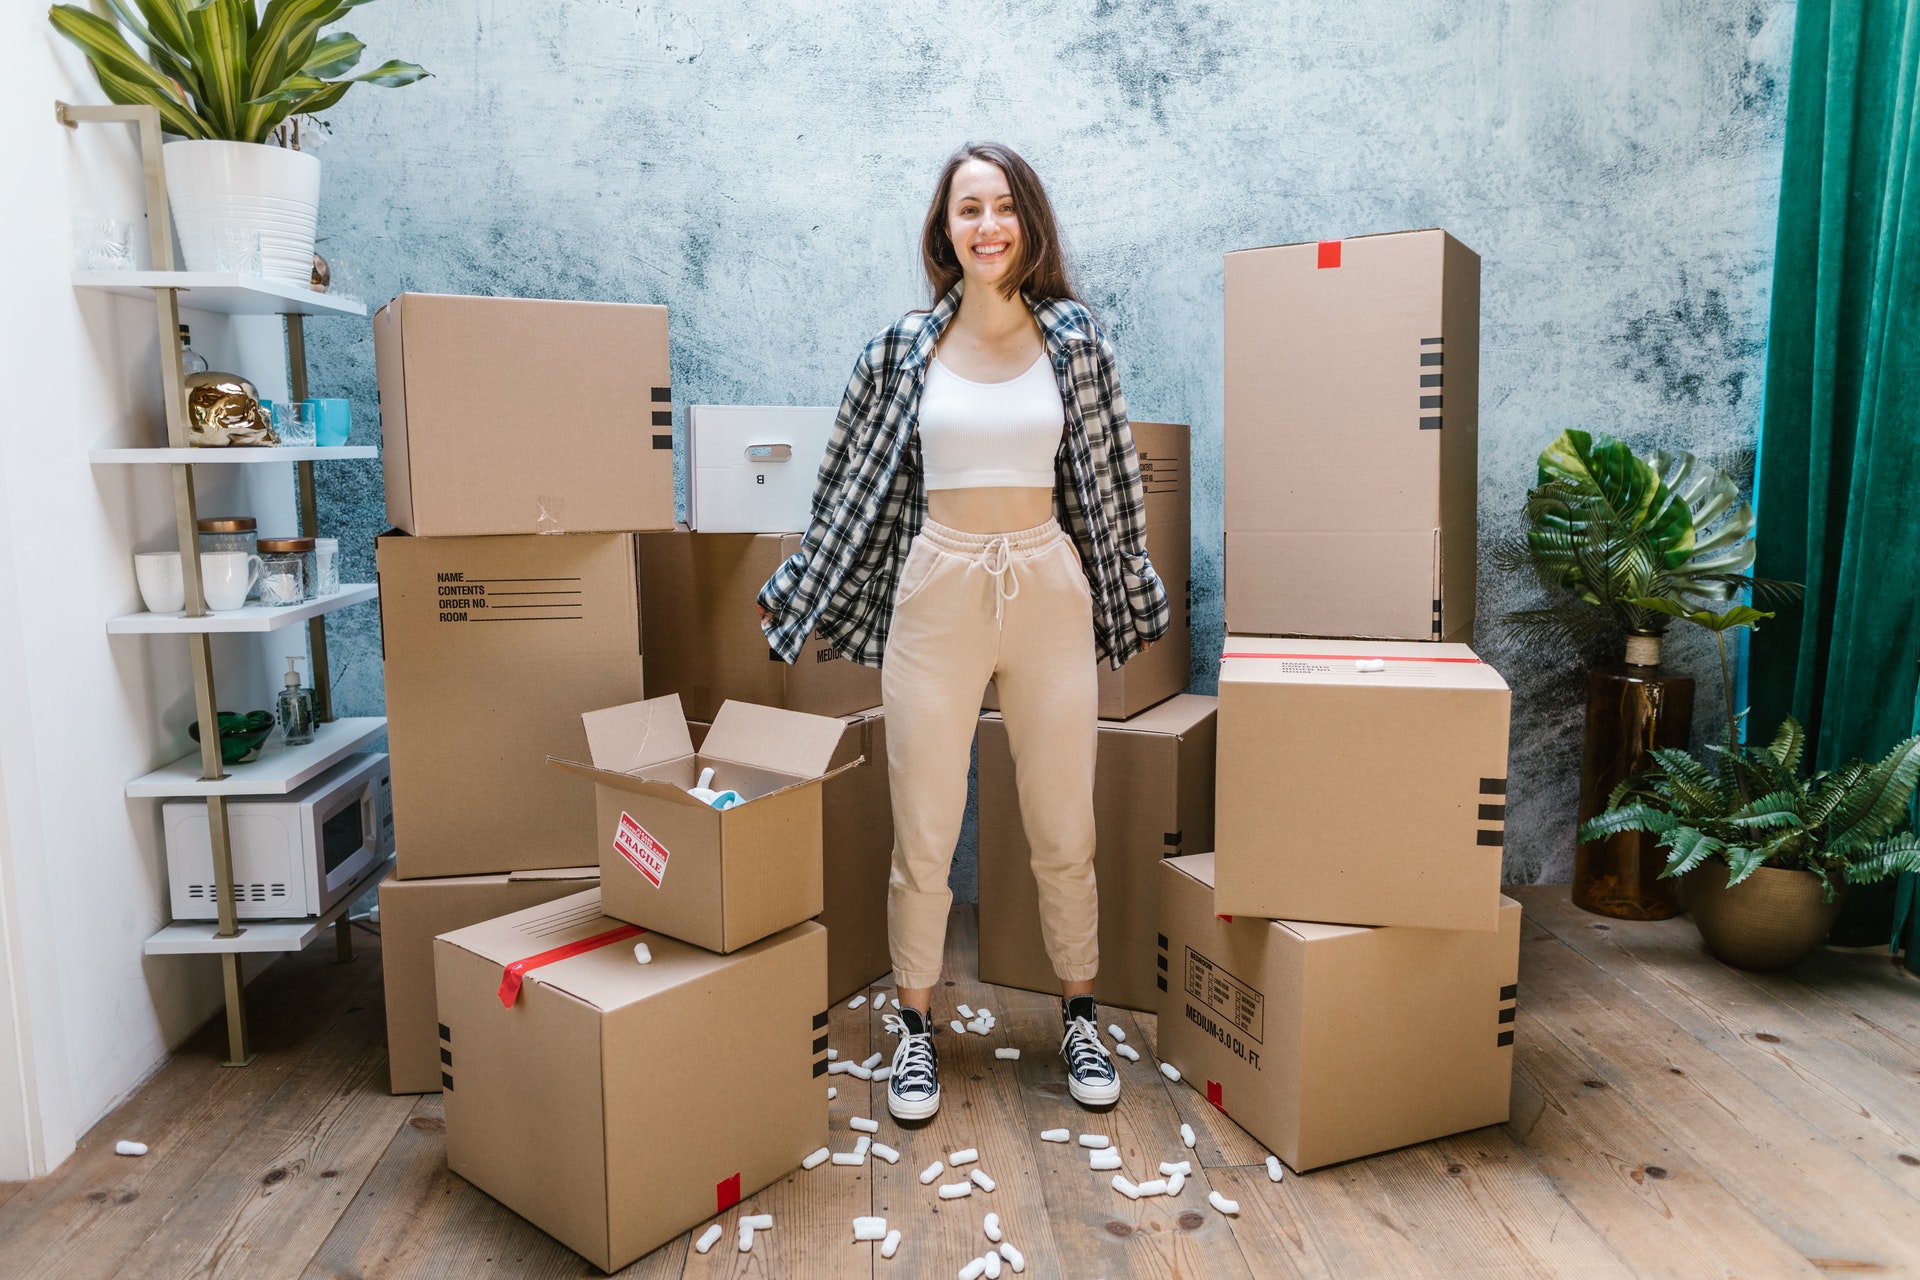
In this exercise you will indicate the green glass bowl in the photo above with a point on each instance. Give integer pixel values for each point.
(241, 733)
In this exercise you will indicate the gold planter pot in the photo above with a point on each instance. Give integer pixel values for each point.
(1768, 921)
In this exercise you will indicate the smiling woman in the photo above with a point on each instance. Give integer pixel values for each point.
(979, 516)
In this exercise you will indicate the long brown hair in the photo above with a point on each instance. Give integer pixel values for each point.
(1042, 266)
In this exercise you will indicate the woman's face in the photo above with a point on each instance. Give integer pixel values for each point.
(981, 221)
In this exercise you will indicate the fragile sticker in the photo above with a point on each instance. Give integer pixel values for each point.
(647, 855)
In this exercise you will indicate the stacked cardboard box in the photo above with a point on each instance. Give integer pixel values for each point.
(1339, 976)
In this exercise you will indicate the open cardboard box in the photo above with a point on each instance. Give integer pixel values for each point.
(615, 1104)
(720, 879)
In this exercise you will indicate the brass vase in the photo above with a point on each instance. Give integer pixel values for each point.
(1768, 921)
(1632, 707)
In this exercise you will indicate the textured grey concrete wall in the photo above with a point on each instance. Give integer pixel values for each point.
(761, 168)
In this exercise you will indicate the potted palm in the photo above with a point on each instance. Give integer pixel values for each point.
(230, 79)
(1766, 851)
(1623, 542)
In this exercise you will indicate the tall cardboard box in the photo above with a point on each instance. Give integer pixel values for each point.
(615, 1105)
(708, 647)
(1152, 799)
(412, 914)
(493, 649)
(720, 879)
(1330, 1042)
(1359, 796)
(1352, 420)
(522, 415)
(1165, 453)
(856, 853)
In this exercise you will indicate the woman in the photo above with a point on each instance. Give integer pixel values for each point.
(978, 516)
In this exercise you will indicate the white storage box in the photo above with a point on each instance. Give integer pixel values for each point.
(751, 469)
(293, 855)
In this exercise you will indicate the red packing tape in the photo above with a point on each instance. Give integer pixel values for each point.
(510, 976)
(1347, 657)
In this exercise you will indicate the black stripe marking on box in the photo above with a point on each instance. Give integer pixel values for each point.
(446, 1057)
(1430, 379)
(1506, 1014)
(1430, 424)
(820, 1067)
(1429, 342)
(1161, 960)
(1493, 813)
(1436, 626)
(663, 417)
(820, 1045)
(1430, 357)
(1431, 402)
(446, 1081)
(446, 1034)
(1510, 992)
(819, 1019)
(663, 395)
(1493, 786)
(1163, 940)
(1172, 837)
(1161, 980)
(1495, 838)
(1504, 1039)
(663, 442)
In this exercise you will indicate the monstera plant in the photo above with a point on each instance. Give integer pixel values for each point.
(1626, 543)
(227, 77)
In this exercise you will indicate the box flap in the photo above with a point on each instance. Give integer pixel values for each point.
(628, 782)
(1171, 718)
(789, 742)
(626, 739)
(1409, 663)
(555, 873)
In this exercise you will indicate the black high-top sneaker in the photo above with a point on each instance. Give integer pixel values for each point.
(913, 1090)
(1090, 1073)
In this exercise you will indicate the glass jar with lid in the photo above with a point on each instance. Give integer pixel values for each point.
(286, 570)
(229, 533)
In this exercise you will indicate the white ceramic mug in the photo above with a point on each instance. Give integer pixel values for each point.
(226, 577)
(162, 589)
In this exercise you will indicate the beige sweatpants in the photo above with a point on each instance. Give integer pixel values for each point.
(1013, 608)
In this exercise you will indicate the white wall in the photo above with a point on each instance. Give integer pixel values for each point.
(84, 1016)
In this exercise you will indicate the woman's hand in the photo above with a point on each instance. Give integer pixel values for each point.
(765, 617)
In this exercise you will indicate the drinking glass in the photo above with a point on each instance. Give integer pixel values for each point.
(102, 244)
(237, 249)
(294, 422)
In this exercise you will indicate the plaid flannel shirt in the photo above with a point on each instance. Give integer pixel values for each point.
(870, 498)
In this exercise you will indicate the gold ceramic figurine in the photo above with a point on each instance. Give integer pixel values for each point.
(224, 409)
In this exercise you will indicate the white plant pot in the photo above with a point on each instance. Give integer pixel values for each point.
(249, 185)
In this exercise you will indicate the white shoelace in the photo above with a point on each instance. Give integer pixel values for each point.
(997, 559)
(913, 1062)
(1084, 1053)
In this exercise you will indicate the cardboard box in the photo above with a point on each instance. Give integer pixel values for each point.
(517, 415)
(1167, 668)
(1330, 1042)
(856, 853)
(1361, 797)
(1352, 406)
(615, 1105)
(1152, 798)
(493, 648)
(720, 879)
(751, 469)
(412, 914)
(709, 648)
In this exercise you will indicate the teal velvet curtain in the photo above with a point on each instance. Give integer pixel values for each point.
(1839, 484)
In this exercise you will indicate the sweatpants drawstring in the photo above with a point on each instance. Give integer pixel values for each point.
(997, 559)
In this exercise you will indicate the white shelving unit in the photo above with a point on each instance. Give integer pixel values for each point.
(254, 617)
(233, 456)
(276, 771)
(201, 937)
(222, 292)
(279, 769)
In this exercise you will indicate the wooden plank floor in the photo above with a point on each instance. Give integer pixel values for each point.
(1671, 1117)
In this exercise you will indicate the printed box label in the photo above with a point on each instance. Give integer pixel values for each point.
(1231, 1000)
(647, 855)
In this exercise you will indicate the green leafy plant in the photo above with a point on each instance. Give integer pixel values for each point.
(1616, 532)
(224, 69)
(1845, 825)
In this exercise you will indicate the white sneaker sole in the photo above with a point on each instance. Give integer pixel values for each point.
(905, 1109)
(1094, 1095)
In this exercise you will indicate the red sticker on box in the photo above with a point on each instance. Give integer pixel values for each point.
(726, 1193)
(648, 856)
(1215, 1096)
(1329, 254)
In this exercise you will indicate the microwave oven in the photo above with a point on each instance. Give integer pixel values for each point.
(293, 855)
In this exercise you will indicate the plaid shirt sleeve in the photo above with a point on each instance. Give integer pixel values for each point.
(1146, 596)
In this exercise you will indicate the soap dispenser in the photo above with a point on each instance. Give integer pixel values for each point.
(296, 708)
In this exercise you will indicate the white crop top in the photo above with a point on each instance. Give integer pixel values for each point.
(979, 435)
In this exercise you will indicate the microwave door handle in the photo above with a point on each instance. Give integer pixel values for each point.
(769, 453)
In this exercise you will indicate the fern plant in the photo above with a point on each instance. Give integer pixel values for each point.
(225, 69)
(1756, 808)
